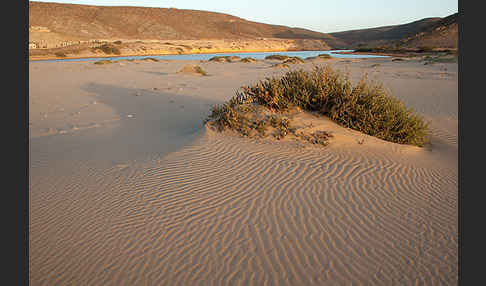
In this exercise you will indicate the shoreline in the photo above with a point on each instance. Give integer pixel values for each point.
(394, 54)
(40, 58)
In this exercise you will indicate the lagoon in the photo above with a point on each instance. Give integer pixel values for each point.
(205, 57)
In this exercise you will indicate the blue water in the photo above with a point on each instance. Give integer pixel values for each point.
(205, 57)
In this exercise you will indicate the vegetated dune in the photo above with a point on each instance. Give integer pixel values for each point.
(154, 197)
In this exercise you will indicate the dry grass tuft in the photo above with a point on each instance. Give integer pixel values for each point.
(190, 69)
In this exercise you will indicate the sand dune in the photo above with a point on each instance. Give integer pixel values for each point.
(159, 199)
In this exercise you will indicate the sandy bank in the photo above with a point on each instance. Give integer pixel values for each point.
(180, 47)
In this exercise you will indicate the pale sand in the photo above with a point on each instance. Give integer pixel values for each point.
(134, 190)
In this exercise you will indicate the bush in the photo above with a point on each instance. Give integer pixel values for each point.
(366, 107)
(224, 59)
(60, 54)
(108, 49)
(193, 69)
(276, 57)
(324, 56)
(248, 60)
(103, 62)
(293, 60)
(199, 70)
(150, 59)
(117, 42)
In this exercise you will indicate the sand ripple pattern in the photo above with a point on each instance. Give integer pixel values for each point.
(224, 211)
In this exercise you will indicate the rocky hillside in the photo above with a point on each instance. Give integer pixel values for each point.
(443, 34)
(83, 22)
(428, 32)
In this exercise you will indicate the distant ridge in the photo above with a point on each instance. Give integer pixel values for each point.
(433, 32)
(82, 22)
(443, 34)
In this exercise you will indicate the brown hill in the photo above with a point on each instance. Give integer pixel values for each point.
(441, 34)
(383, 35)
(428, 32)
(83, 22)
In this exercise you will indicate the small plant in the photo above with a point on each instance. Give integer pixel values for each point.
(193, 69)
(151, 59)
(248, 60)
(228, 59)
(293, 60)
(324, 56)
(108, 49)
(117, 42)
(103, 62)
(318, 137)
(200, 70)
(276, 57)
(60, 54)
(280, 65)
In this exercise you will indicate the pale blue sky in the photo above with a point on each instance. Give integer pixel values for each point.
(319, 15)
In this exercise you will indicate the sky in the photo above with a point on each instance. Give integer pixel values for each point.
(318, 15)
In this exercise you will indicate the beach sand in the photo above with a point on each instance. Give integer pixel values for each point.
(129, 187)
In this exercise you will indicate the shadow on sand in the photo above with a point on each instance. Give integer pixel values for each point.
(152, 124)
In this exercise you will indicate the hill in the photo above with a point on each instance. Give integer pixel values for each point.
(433, 32)
(442, 34)
(73, 22)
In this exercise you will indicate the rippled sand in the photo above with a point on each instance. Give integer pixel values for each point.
(155, 198)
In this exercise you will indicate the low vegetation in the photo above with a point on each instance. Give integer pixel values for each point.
(251, 121)
(103, 62)
(248, 60)
(324, 56)
(280, 66)
(320, 56)
(60, 54)
(108, 49)
(440, 58)
(277, 57)
(293, 60)
(400, 50)
(150, 59)
(228, 59)
(365, 107)
(193, 69)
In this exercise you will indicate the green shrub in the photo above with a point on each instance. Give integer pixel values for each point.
(193, 69)
(324, 56)
(108, 49)
(276, 57)
(248, 60)
(199, 70)
(150, 59)
(293, 60)
(103, 62)
(366, 107)
(224, 59)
